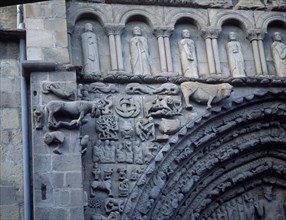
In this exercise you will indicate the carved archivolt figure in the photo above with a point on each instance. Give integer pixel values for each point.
(188, 55)
(278, 50)
(90, 51)
(235, 57)
(139, 52)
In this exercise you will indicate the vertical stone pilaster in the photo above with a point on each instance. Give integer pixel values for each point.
(207, 33)
(253, 38)
(261, 34)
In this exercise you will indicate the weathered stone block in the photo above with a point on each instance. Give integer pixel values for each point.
(57, 180)
(62, 197)
(66, 162)
(42, 163)
(77, 198)
(40, 38)
(34, 53)
(51, 213)
(76, 213)
(10, 118)
(34, 24)
(10, 212)
(58, 55)
(7, 195)
(74, 180)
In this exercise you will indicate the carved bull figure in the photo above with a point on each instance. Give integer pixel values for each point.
(205, 93)
(73, 109)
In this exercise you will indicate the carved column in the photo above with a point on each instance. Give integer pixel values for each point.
(159, 33)
(114, 36)
(167, 34)
(261, 52)
(214, 35)
(252, 36)
(207, 35)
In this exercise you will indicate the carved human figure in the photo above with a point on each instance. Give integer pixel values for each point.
(235, 56)
(188, 55)
(90, 51)
(269, 208)
(278, 50)
(249, 206)
(139, 52)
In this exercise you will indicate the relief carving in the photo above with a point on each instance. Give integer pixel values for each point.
(278, 50)
(139, 51)
(124, 152)
(38, 118)
(127, 107)
(49, 87)
(235, 56)
(55, 138)
(99, 88)
(163, 106)
(107, 127)
(164, 89)
(205, 93)
(101, 183)
(72, 109)
(90, 51)
(145, 129)
(188, 55)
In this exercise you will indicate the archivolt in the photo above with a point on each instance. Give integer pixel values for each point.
(204, 155)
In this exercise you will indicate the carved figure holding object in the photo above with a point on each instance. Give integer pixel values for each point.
(139, 52)
(74, 109)
(278, 50)
(90, 51)
(205, 93)
(188, 55)
(235, 56)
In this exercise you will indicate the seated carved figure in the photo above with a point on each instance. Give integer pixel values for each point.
(205, 93)
(73, 109)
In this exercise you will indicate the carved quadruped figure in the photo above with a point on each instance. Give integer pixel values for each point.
(188, 55)
(205, 93)
(90, 51)
(139, 52)
(55, 138)
(73, 109)
(49, 87)
(235, 56)
(278, 50)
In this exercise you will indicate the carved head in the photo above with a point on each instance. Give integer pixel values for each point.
(226, 89)
(268, 192)
(88, 27)
(232, 36)
(276, 36)
(97, 107)
(137, 31)
(186, 33)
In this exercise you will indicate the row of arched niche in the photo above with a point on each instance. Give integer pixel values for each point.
(138, 48)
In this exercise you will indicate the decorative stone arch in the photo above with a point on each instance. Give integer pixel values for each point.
(192, 157)
(199, 19)
(223, 16)
(90, 13)
(264, 20)
(148, 17)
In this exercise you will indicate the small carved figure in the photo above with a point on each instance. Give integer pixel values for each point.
(145, 129)
(127, 130)
(235, 56)
(84, 142)
(163, 106)
(57, 138)
(269, 208)
(169, 126)
(39, 118)
(278, 50)
(167, 89)
(137, 88)
(139, 52)
(102, 184)
(113, 205)
(90, 51)
(138, 153)
(188, 55)
(124, 152)
(123, 188)
(107, 127)
(127, 107)
(108, 152)
(122, 174)
(49, 87)
(205, 93)
(99, 87)
(249, 206)
(74, 109)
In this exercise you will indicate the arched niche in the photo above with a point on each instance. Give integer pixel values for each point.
(273, 26)
(147, 32)
(236, 26)
(214, 160)
(191, 25)
(102, 41)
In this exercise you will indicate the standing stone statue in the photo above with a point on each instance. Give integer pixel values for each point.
(139, 53)
(278, 50)
(235, 57)
(188, 55)
(90, 51)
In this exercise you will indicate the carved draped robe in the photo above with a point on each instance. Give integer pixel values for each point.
(139, 56)
(90, 54)
(278, 50)
(235, 59)
(188, 58)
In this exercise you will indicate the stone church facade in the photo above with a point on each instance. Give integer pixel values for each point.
(158, 109)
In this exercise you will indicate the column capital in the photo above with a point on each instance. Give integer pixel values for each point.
(253, 34)
(163, 31)
(114, 29)
(210, 32)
